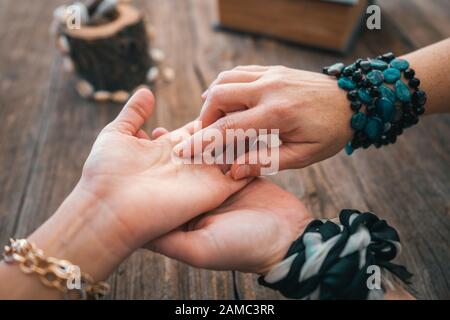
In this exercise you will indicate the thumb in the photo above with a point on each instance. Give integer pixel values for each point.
(137, 110)
(191, 247)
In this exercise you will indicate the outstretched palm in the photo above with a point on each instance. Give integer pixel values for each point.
(147, 192)
(250, 232)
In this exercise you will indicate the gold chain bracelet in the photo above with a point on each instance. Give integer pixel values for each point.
(54, 273)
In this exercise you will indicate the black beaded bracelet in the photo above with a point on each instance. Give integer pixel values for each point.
(334, 260)
(383, 104)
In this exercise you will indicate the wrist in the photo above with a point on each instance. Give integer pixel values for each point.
(289, 239)
(346, 112)
(83, 231)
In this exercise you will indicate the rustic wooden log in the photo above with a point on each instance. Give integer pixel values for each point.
(113, 56)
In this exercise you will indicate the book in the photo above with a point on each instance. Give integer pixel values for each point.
(317, 23)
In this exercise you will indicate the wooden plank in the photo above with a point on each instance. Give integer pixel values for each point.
(419, 22)
(25, 60)
(47, 132)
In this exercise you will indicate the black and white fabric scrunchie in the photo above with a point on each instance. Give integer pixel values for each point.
(331, 260)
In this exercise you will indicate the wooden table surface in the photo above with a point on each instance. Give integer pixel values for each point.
(46, 132)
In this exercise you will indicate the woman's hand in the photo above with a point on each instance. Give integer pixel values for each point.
(131, 191)
(250, 232)
(310, 111)
(146, 190)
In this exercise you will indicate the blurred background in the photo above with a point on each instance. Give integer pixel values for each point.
(47, 129)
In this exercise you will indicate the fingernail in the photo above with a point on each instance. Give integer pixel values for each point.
(242, 172)
(204, 93)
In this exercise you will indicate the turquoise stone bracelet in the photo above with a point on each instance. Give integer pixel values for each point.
(383, 104)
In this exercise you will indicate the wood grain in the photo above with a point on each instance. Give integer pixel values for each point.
(46, 132)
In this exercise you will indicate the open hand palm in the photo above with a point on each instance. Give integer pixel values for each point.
(139, 180)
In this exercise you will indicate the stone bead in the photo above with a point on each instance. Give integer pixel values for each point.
(407, 106)
(414, 83)
(158, 55)
(168, 74)
(102, 96)
(391, 75)
(398, 114)
(420, 110)
(375, 77)
(388, 56)
(366, 83)
(387, 127)
(388, 93)
(357, 76)
(358, 121)
(400, 64)
(378, 64)
(63, 44)
(392, 139)
(120, 96)
(409, 74)
(85, 89)
(352, 95)
(348, 148)
(365, 66)
(385, 109)
(152, 74)
(360, 136)
(370, 109)
(68, 64)
(364, 96)
(348, 70)
(346, 83)
(419, 98)
(335, 69)
(374, 128)
(374, 91)
(402, 91)
(355, 105)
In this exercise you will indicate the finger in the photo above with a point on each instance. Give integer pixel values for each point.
(233, 76)
(287, 156)
(227, 98)
(135, 113)
(158, 132)
(141, 134)
(250, 119)
(192, 247)
(252, 68)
